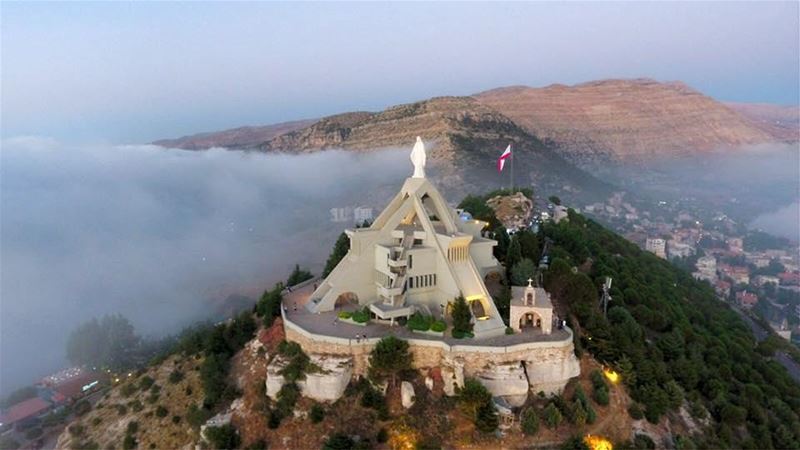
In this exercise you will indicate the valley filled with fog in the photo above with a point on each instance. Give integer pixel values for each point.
(161, 236)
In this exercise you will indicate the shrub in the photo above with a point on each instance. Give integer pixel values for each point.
(345, 315)
(146, 382)
(161, 411)
(136, 405)
(509, 330)
(419, 322)
(224, 437)
(176, 376)
(133, 427)
(76, 430)
(96, 421)
(361, 316)
(176, 419)
(635, 411)
(438, 326)
(317, 413)
(458, 334)
(122, 409)
(339, 441)
(382, 436)
(197, 416)
(129, 443)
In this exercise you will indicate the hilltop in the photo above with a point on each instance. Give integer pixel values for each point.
(628, 120)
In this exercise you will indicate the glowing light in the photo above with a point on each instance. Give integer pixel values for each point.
(483, 318)
(611, 375)
(597, 442)
(472, 298)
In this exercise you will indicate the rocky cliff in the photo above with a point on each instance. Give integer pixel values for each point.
(626, 120)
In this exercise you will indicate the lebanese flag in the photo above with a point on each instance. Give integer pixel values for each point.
(501, 162)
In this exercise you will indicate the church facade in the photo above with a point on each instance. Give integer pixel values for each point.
(418, 255)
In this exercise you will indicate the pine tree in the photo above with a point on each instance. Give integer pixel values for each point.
(486, 419)
(340, 249)
(530, 422)
(462, 317)
(501, 236)
(514, 254)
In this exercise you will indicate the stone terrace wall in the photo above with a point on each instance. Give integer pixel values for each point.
(557, 355)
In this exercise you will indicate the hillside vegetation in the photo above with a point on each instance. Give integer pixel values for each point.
(675, 345)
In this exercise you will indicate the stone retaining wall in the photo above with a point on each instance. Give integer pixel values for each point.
(549, 364)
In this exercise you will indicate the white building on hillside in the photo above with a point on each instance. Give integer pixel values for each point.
(418, 255)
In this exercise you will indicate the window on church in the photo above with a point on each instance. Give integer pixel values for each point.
(410, 261)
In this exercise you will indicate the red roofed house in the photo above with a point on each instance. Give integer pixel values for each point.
(789, 278)
(24, 411)
(746, 299)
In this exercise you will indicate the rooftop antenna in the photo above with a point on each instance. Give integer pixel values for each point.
(606, 296)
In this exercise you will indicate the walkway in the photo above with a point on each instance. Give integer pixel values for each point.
(328, 324)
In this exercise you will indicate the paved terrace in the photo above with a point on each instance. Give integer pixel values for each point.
(328, 324)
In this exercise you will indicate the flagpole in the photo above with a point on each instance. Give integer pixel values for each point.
(512, 171)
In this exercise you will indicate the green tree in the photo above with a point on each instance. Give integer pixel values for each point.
(522, 271)
(340, 249)
(462, 317)
(389, 358)
(552, 416)
(486, 419)
(298, 275)
(554, 200)
(529, 243)
(472, 395)
(514, 253)
(109, 342)
(575, 443)
(530, 422)
(501, 236)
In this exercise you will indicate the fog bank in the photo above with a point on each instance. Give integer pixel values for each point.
(160, 236)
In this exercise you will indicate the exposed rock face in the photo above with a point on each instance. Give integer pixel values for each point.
(507, 381)
(550, 375)
(326, 383)
(452, 375)
(624, 119)
(407, 394)
(513, 211)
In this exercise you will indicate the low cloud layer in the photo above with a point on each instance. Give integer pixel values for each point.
(160, 235)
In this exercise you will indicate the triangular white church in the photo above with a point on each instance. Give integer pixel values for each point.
(418, 255)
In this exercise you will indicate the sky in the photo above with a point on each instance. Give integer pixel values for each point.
(119, 72)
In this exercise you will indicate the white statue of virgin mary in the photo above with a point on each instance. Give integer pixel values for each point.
(418, 158)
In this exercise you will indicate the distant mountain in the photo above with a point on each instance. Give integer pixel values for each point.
(626, 120)
(465, 138)
(782, 122)
(242, 137)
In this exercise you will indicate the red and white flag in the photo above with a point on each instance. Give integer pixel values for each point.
(501, 162)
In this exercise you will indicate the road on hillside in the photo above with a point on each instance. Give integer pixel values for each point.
(782, 357)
